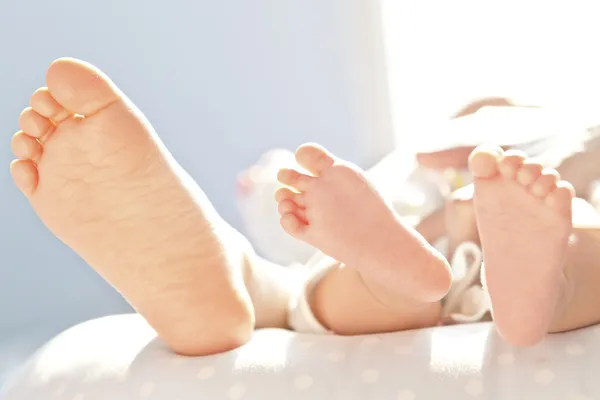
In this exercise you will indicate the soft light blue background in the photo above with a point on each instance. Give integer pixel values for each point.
(222, 81)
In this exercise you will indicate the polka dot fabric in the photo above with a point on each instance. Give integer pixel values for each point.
(119, 358)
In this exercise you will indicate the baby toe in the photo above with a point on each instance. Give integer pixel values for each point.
(545, 183)
(25, 175)
(293, 225)
(314, 158)
(44, 104)
(294, 179)
(510, 163)
(561, 197)
(26, 147)
(529, 172)
(34, 124)
(483, 161)
(286, 194)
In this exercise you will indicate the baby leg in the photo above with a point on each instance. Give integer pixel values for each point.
(336, 299)
(577, 306)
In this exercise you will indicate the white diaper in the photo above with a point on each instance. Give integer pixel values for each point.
(300, 315)
(467, 300)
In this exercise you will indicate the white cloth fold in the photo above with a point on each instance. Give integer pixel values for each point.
(467, 300)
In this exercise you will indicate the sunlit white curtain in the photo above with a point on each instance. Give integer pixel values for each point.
(441, 54)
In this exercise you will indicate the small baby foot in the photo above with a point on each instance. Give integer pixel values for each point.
(339, 212)
(524, 219)
(97, 175)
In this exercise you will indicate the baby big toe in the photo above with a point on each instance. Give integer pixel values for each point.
(314, 158)
(483, 161)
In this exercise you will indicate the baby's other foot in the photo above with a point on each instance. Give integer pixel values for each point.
(98, 176)
(524, 219)
(338, 211)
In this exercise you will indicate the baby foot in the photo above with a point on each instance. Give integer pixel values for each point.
(524, 219)
(339, 212)
(97, 175)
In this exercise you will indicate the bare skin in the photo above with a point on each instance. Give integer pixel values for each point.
(576, 299)
(524, 217)
(578, 293)
(97, 175)
(338, 211)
